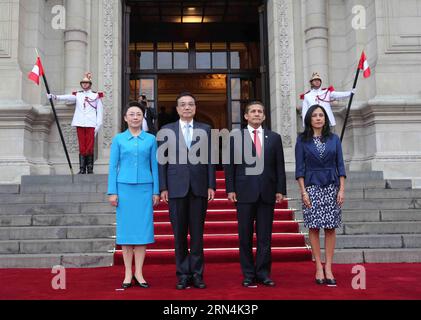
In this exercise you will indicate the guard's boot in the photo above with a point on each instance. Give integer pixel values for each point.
(82, 164)
(90, 164)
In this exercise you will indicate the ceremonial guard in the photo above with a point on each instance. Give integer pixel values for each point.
(322, 97)
(87, 120)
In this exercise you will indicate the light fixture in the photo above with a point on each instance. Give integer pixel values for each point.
(192, 19)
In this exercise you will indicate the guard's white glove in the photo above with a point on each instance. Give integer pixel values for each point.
(354, 91)
(51, 96)
(96, 131)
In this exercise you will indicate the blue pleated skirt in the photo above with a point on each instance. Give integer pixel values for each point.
(135, 214)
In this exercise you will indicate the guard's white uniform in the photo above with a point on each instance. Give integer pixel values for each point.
(323, 97)
(89, 109)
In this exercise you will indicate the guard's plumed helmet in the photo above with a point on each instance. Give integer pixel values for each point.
(315, 76)
(87, 78)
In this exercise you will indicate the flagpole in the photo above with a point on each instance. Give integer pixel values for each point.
(58, 123)
(350, 103)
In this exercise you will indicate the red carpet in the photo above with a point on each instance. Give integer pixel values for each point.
(221, 234)
(294, 282)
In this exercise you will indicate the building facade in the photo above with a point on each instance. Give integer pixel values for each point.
(225, 52)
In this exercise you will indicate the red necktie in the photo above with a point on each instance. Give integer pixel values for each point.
(257, 143)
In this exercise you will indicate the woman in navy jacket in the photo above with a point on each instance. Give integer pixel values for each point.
(133, 187)
(320, 172)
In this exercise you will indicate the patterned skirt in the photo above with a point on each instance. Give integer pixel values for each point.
(325, 213)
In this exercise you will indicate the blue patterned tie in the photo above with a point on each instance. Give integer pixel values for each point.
(187, 136)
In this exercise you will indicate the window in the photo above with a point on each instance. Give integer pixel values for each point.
(217, 56)
(146, 59)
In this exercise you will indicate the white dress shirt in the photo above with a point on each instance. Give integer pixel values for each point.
(183, 128)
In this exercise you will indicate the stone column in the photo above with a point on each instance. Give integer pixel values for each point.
(282, 75)
(316, 37)
(75, 44)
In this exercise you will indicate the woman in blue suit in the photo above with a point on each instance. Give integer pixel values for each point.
(320, 172)
(133, 188)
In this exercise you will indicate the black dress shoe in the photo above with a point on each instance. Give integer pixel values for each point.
(268, 282)
(249, 283)
(182, 284)
(198, 283)
(331, 282)
(142, 285)
(320, 281)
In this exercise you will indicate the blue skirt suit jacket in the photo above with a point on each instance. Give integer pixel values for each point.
(133, 176)
(316, 170)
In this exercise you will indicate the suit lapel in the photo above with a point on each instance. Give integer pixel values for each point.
(266, 141)
(179, 136)
(196, 125)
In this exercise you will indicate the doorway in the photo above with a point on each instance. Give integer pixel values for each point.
(214, 49)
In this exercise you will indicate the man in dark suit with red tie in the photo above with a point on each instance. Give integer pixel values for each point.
(188, 187)
(255, 193)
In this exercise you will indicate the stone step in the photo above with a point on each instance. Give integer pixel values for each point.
(401, 215)
(392, 194)
(64, 179)
(382, 228)
(22, 198)
(352, 256)
(372, 204)
(57, 246)
(56, 220)
(9, 188)
(411, 240)
(74, 220)
(366, 241)
(70, 260)
(76, 197)
(56, 232)
(31, 209)
(60, 188)
(398, 184)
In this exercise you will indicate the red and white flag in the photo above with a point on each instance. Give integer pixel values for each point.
(37, 72)
(364, 65)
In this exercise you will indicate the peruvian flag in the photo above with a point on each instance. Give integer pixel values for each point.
(364, 65)
(37, 72)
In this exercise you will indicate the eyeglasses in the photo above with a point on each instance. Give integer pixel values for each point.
(185, 105)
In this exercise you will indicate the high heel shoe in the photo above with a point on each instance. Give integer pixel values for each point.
(126, 285)
(321, 281)
(144, 285)
(330, 282)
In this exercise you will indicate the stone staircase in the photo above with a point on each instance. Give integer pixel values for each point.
(50, 220)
